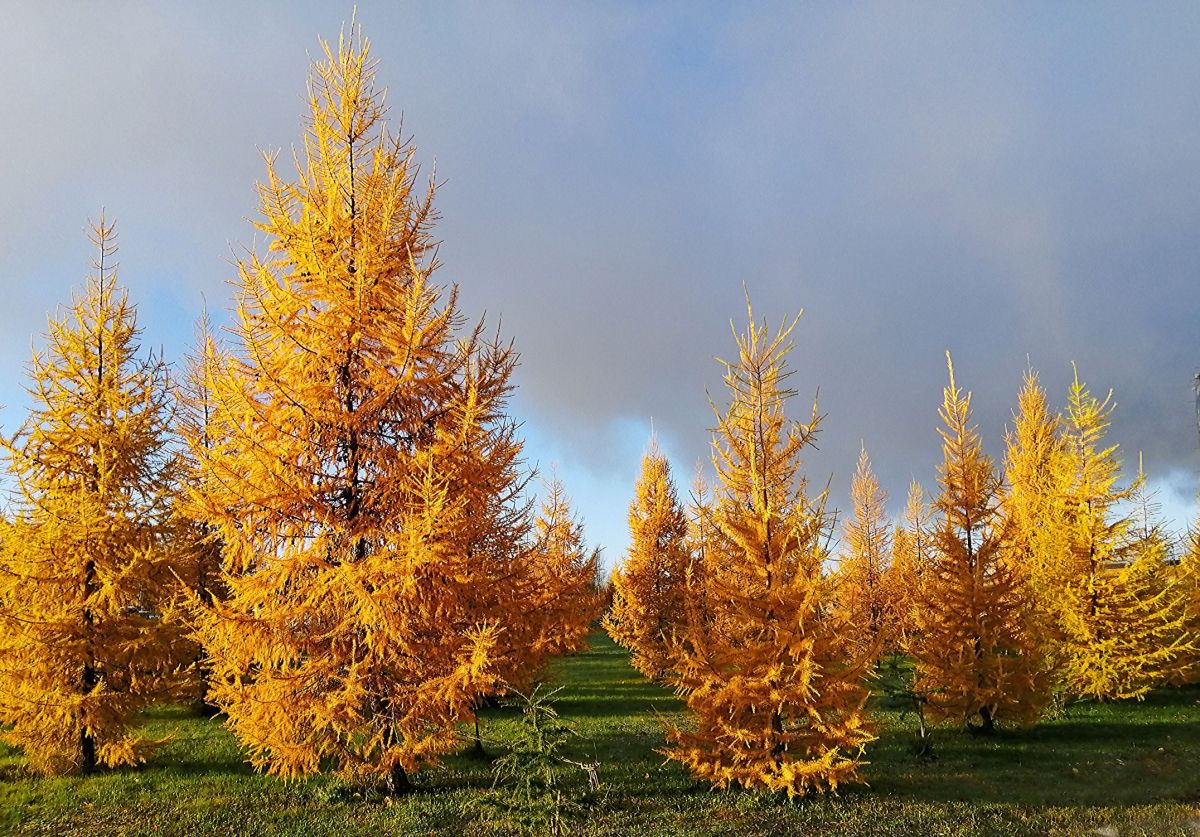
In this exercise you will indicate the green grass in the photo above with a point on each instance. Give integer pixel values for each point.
(1124, 768)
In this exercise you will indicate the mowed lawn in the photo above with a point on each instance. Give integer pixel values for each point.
(1116, 769)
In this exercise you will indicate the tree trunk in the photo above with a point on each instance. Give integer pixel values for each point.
(87, 747)
(478, 748)
(989, 723)
(397, 782)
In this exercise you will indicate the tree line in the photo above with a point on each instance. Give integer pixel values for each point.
(1019, 587)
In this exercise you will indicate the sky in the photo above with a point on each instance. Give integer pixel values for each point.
(1017, 183)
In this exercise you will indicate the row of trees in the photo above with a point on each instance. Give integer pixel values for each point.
(1039, 580)
(321, 528)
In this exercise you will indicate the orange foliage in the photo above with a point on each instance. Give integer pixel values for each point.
(650, 586)
(973, 652)
(361, 471)
(911, 559)
(862, 578)
(570, 597)
(771, 675)
(88, 636)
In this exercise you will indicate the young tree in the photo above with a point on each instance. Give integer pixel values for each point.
(863, 588)
(650, 586)
(911, 559)
(974, 655)
(1034, 509)
(567, 574)
(773, 678)
(362, 473)
(87, 633)
(1119, 638)
(197, 541)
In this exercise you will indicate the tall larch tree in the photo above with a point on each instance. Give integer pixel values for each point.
(569, 597)
(1119, 638)
(862, 579)
(911, 559)
(976, 661)
(1035, 469)
(773, 678)
(650, 585)
(88, 636)
(361, 455)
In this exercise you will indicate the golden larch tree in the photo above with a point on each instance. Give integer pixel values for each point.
(773, 677)
(650, 585)
(911, 559)
(361, 467)
(1185, 576)
(567, 572)
(88, 635)
(197, 541)
(1034, 508)
(1120, 637)
(862, 577)
(974, 656)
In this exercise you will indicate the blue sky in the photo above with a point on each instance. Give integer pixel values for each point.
(1013, 182)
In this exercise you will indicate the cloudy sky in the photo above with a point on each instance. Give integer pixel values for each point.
(1012, 182)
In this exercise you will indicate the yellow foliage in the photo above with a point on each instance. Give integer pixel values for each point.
(911, 559)
(88, 635)
(1037, 472)
(650, 585)
(771, 674)
(360, 471)
(974, 654)
(862, 579)
(198, 543)
(1121, 632)
(569, 597)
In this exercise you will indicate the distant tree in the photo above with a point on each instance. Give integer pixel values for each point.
(567, 573)
(650, 586)
(362, 480)
(975, 658)
(911, 559)
(772, 675)
(862, 577)
(197, 541)
(88, 635)
(1119, 636)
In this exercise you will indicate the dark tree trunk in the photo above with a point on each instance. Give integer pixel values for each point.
(397, 783)
(478, 748)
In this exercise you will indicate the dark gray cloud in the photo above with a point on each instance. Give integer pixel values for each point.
(1007, 182)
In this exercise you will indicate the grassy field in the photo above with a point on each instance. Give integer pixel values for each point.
(1117, 769)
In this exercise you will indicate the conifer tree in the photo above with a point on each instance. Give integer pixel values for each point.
(1034, 508)
(649, 596)
(910, 560)
(974, 655)
(87, 632)
(772, 678)
(197, 541)
(1120, 637)
(1185, 577)
(863, 587)
(567, 572)
(362, 474)
(697, 544)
